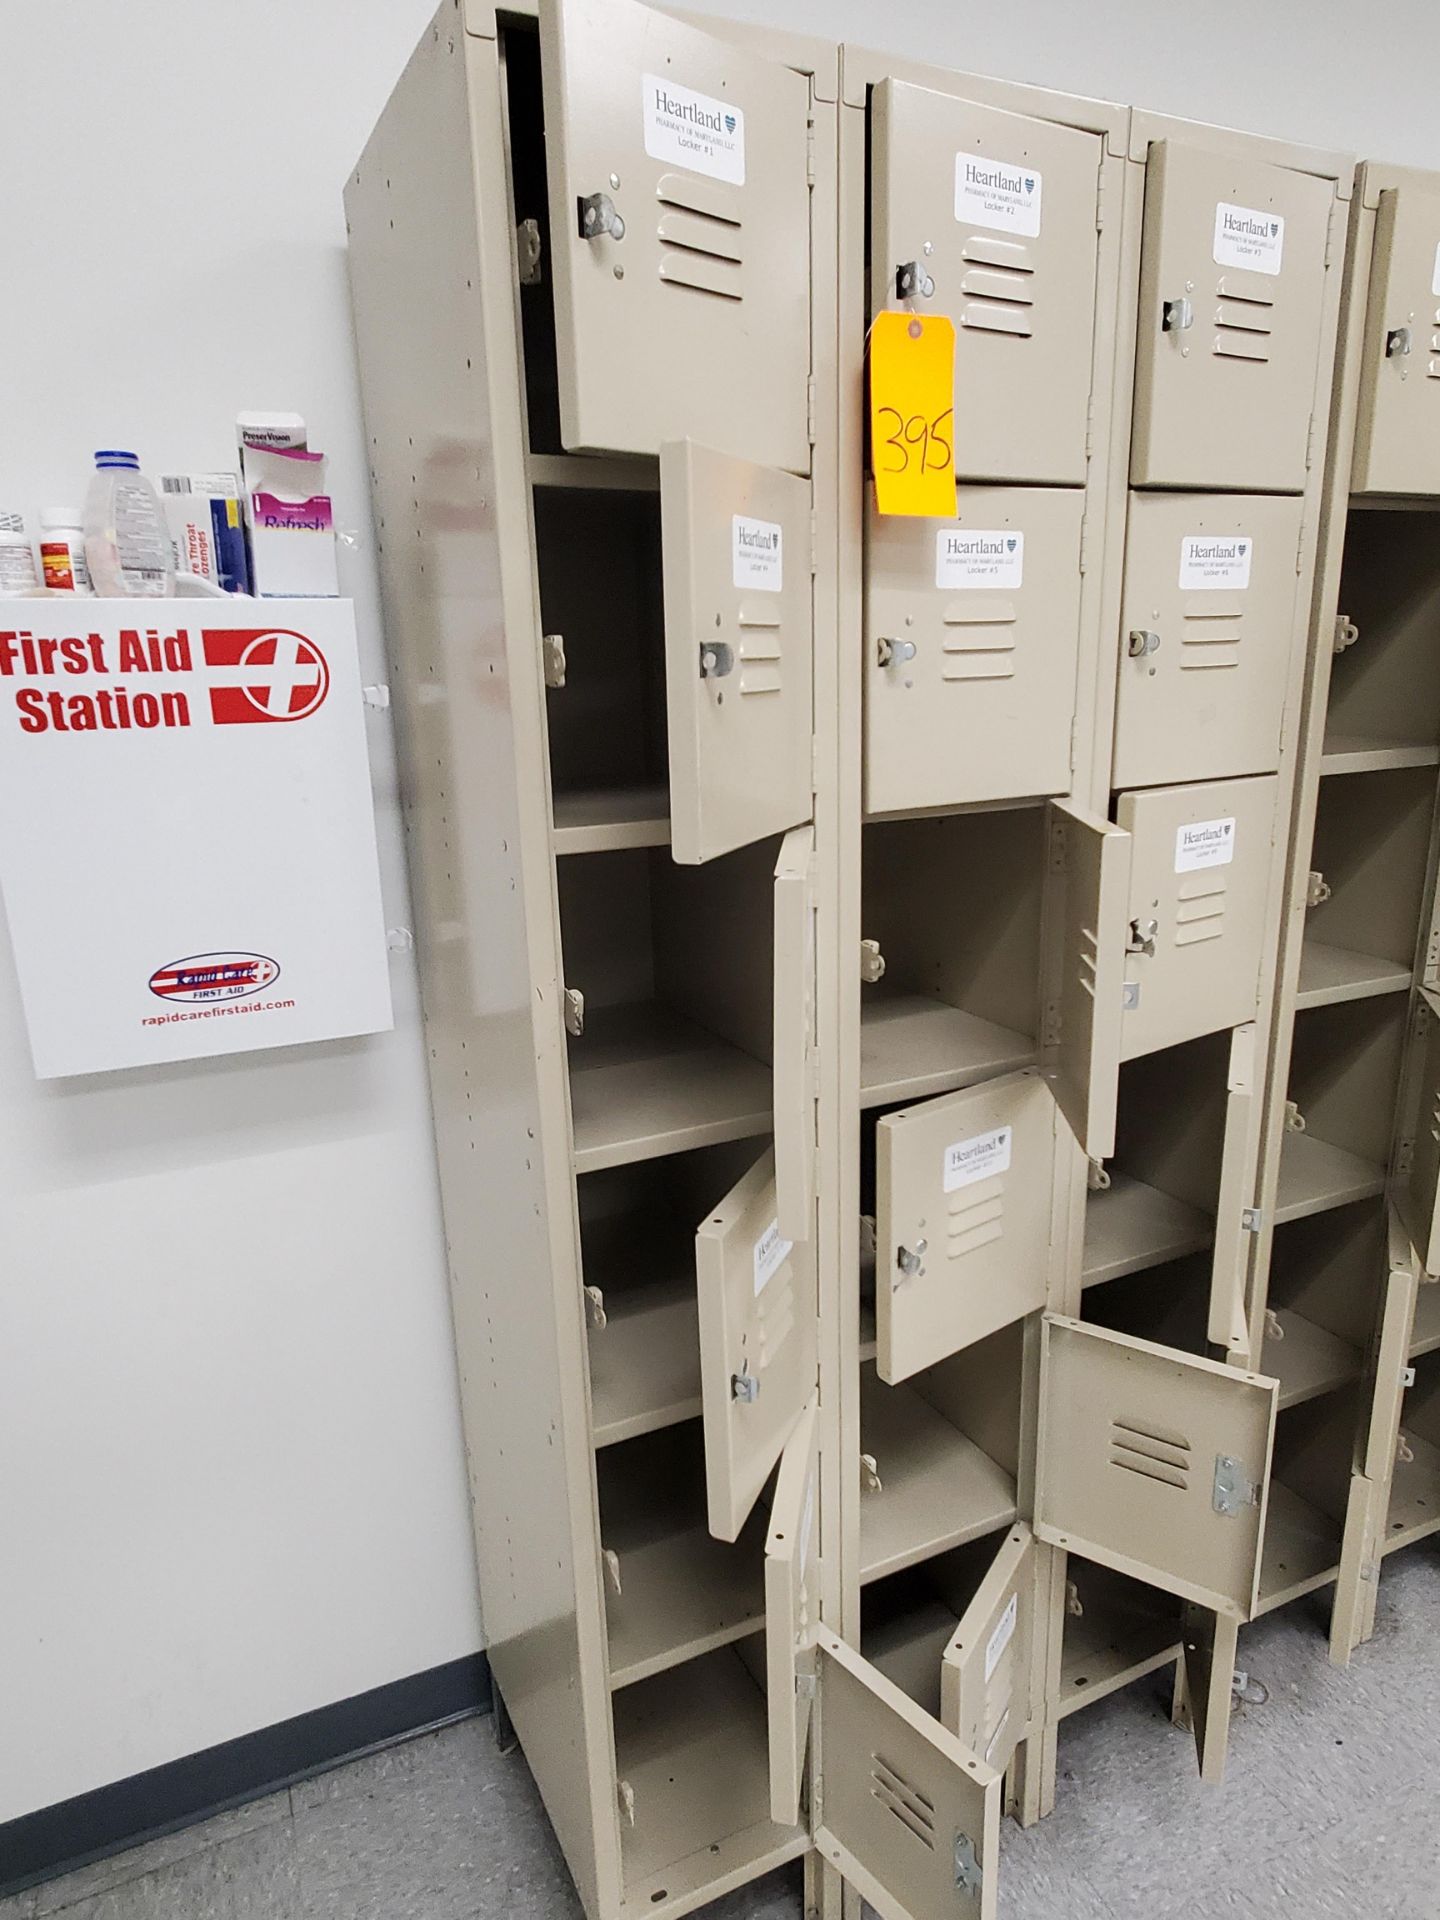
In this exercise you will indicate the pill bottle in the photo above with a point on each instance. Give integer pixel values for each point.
(62, 550)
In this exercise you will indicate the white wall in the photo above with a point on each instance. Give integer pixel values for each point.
(230, 1470)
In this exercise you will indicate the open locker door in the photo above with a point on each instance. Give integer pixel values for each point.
(1229, 1271)
(1087, 892)
(1417, 1192)
(758, 1342)
(1154, 1462)
(679, 234)
(904, 1811)
(985, 1675)
(738, 649)
(963, 1189)
(793, 1053)
(1209, 1645)
(1397, 428)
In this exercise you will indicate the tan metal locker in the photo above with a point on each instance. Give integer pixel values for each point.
(972, 650)
(1417, 1161)
(1232, 300)
(739, 640)
(963, 1193)
(1397, 432)
(1154, 1462)
(680, 235)
(985, 1678)
(991, 217)
(1200, 874)
(1207, 623)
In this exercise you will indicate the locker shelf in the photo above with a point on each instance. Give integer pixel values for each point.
(1308, 1361)
(645, 1361)
(1126, 1631)
(1361, 753)
(913, 1045)
(1301, 1551)
(1131, 1225)
(1315, 1176)
(938, 1489)
(1330, 974)
(645, 1082)
(1425, 1333)
(1414, 1494)
(593, 475)
(604, 819)
(697, 1760)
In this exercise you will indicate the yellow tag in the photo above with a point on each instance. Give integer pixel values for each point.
(912, 414)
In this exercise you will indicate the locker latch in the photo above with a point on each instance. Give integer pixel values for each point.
(1397, 342)
(1096, 1178)
(744, 1386)
(598, 217)
(894, 653)
(1346, 632)
(717, 658)
(1317, 889)
(552, 653)
(1141, 641)
(527, 252)
(969, 1876)
(1177, 315)
(1234, 1490)
(872, 962)
(1142, 936)
(574, 1011)
(870, 1480)
(911, 1259)
(1407, 1378)
(912, 281)
(595, 1308)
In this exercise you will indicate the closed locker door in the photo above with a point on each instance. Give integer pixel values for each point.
(1397, 431)
(990, 217)
(679, 235)
(1232, 290)
(1200, 872)
(1206, 627)
(972, 649)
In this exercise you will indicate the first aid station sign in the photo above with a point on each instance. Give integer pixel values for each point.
(187, 837)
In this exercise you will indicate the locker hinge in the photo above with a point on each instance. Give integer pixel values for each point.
(1309, 454)
(969, 1876)
(1090, 426)
(814, 539)
(810, 408)
(1333, 232)
(1346, 632)
(814, 765)
(1085, 543)
(1074, 739)
(1302, 540)
(1233, 1490)
(809, 153)
(1100, 199)
(1252, 1219)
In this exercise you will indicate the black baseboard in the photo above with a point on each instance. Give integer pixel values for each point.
(40, 1845)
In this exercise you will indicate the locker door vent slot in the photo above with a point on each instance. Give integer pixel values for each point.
(977, 1218)
(701, 237)
(1200, 910)
(1153, 1455)
(1211, 638)
(909, 1806)
(986, 651)
(999, 286)
(1242, 322)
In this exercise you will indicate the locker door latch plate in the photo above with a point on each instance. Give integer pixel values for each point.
(1177, 316)
(969, 1874)
(1398, 342)
(744, 1386)
(1141, 641)
(717, 658)
(1234, 1490)
(911, 280)
(598, 217)
(910, 1260)
(1143, 935)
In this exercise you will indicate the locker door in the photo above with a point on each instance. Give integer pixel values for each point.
(1209, 1643)
(1087, 898)
(1417, 1196)
(1154, 1462)
(1232, 281)
(739, 639)
(1397, 433)
(1199, 884)
(758, 1307)
(793, 1050)
(985, 1675)
(1206, 626)
(972, 649)
(990, 217)
(963, 1189)
(1239, 1171)
(679, 234)
(907, 1814)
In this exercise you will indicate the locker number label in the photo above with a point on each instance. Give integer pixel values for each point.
(980, 1157)
(968, 557)
(771, 1253)
(1204, 843)
(912, 414)
(998, 195)
(1207, 561)
(689, 129)
(757, 558)
(1248, 237)
(1003, 1635)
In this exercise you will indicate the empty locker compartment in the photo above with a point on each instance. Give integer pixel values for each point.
(1202, 866)
(1344, 1069)
(1384, 701)
(1232, 297)
(1167, 1303)
(1397, 431)
(1116, 1630)
(1323, 1294)
(1414, 1509)
(1306, 1500)
(972, 650)
(908, 1619)
(939, 1455)
(950, 911)
(1368, 862)
(1207, 632)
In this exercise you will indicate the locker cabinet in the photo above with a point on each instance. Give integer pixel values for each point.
(972, 650)
(1397, 429)
(1232, 303)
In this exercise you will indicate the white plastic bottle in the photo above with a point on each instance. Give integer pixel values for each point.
(17, 557)
(62, 550)
(127, 541)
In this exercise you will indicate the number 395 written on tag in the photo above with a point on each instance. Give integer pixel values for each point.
(912, 414)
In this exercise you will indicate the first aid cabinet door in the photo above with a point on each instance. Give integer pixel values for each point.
(972, 649)
(1200, 877)
(679, 235)
(735, 539)
(1154, 1462)
(963, 1192)
(1232, 290)
(996, 213)
(985, 1673)
(1207, 624)
(1397, 430)
(758, 1342)
(1417, 1196)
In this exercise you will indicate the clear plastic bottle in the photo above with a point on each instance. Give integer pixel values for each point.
(127, 540)
(18, 574)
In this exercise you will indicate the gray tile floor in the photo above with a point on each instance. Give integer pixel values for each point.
(1331, 1808)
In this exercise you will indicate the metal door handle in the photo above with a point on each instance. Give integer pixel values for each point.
(1177, 315)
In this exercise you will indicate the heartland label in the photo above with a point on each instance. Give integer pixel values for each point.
(1208, 560)
(966, 557)
(1206, 843)
(978, 1158)
(689, 129)
(771, 1253)
(1002, 1636)
(1248, 237)
(757, 557)
(995, 194)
